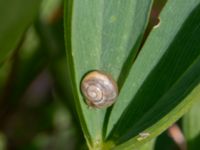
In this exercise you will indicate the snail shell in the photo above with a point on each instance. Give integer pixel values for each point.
(99, 89)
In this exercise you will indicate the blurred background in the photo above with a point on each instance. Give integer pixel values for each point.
(36, 109)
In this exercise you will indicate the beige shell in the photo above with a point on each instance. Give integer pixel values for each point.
(99, 89)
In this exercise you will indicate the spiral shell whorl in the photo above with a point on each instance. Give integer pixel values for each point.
(99, 89)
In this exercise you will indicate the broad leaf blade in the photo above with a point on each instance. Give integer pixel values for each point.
(165, 71)
(15, 17)
(100, 36)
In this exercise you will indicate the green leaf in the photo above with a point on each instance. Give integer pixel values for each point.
(147, 146)
(15, 17)
(191, 127)
(100, 35)
(165, 122)
(165, 72)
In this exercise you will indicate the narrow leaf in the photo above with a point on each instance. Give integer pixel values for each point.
(165, 72)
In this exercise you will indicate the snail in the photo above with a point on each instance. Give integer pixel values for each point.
(99, 89)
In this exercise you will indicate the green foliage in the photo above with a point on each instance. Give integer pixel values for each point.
(15, 16)
(161, 84)
(101, 42)
(150, 48)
